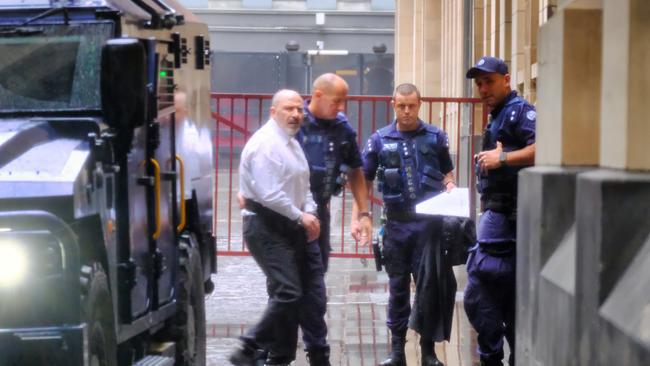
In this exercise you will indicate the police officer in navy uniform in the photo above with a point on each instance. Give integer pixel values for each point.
(331, 149)
(330, 144)
(411, 162)
(508, 146)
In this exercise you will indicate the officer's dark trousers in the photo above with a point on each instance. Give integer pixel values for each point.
(324, 238)
(402, 252)
(313, 304)
(490, 302)
(490, 292)
(278, 247)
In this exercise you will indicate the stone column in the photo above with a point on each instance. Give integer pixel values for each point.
(530, 50)
(626, 48)
(569, 88)
(518, 44)
(418, 31)
(583, 286)
(505, 30)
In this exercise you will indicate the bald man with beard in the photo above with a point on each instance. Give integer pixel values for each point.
(279, 223)
(330, 146)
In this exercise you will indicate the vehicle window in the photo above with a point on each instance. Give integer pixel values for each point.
(56, 69)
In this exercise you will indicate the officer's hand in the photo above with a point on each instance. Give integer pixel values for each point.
(355, 230)
(241, 201)
(450, 186)
(489, 159)
(311, 225)
(365, 230)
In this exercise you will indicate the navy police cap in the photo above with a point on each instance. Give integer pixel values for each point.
(488, 64)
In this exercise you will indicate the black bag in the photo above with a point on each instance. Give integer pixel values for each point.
(458, 236)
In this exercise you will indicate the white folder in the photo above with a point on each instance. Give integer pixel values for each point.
(454, 203)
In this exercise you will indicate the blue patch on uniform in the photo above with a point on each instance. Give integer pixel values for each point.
(531, 115)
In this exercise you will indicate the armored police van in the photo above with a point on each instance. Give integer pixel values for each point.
(106, 164)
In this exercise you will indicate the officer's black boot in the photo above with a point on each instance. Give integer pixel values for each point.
(274, 360)
(261, 359)
(489, 362)
(397, 356)
(319, 356)
(429, 353)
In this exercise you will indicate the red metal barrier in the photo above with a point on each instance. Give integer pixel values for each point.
(238, 115)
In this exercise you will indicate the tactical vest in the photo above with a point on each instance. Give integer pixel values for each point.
(326, 150)
(409, 169)
(498, 187)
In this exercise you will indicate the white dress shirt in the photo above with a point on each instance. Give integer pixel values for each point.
(274, 172)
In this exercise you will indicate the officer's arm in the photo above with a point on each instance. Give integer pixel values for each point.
(358, 188)
(449, 182)
(522, 157)
(361, 230)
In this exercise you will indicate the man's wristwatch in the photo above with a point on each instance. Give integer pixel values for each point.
(502, 158)
(364, 214)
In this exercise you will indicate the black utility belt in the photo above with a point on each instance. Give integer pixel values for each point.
(501, 203)
(499, 249)
(401, 215)
(269, 214)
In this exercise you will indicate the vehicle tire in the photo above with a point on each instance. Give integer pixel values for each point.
(190, 319)
(98, 314)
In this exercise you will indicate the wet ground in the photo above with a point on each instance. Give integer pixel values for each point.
(357, 297)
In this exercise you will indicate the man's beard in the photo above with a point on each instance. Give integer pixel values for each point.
(291, 131)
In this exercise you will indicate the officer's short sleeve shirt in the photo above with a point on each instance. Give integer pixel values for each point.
(514, 124)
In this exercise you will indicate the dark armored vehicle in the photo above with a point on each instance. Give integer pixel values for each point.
(106, 171)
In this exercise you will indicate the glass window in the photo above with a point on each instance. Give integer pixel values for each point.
(321, 4)
(382, 5)
(52, 67)
(257, 4)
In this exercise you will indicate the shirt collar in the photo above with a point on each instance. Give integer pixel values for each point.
(310, 118)
(495, 112)
(394, 132)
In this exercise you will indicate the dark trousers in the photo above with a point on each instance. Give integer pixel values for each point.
(490, 302)
(278, 247)
(313, 304)
(324, 237)
(402, 252)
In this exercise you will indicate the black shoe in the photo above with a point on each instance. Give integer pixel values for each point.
(273, 360)
(261, 358)
(245, 355)
(394, 360)
(491, 363)
(431, 360)
(319, 356)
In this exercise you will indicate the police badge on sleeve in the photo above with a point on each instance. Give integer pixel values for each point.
(531, 115)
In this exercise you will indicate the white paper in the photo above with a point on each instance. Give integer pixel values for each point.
(454, 203)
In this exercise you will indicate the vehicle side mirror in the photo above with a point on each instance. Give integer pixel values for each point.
(124, 84)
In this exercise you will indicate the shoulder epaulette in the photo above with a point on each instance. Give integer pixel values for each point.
(384, 131)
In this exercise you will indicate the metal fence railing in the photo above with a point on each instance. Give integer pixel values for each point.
(237, 116)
